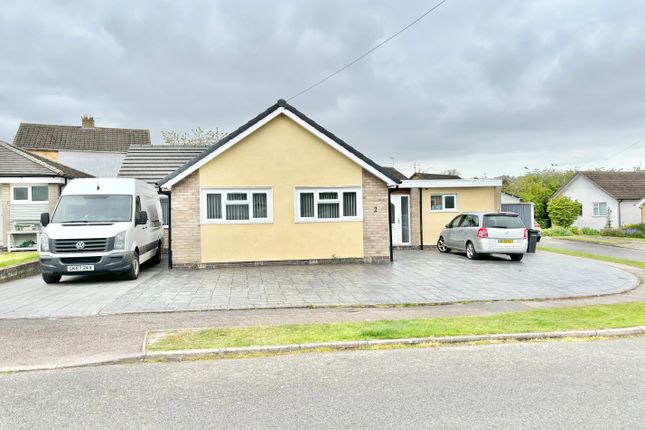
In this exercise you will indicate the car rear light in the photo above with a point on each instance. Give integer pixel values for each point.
(526, 233)
(482, 233)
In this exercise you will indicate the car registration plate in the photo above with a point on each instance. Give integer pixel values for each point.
(81, 268)
(506, 241)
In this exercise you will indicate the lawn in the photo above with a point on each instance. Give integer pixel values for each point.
(577, 318)
(626, 242)
(14, 258)
(633, 263)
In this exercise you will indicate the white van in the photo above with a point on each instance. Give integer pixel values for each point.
(101, 225)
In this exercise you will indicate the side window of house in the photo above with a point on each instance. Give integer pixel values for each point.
(328, 204)
(165, 209)
(443, 202)
(30, 193)
(600, 209)
(235, 206)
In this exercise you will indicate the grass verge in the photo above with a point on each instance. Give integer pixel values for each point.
(633, 263)
(577, 318)
(8, 259)
(625, 242)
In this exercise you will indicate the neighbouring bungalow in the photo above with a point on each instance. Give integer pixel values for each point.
(281, 188)
(607, 198)
(29, 185)
(422, 205)
(97, 150)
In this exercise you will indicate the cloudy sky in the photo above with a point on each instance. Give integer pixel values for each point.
(485, 87)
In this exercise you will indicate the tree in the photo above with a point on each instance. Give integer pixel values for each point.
(196, 137)
(563, 211)
(536, 186)
(453, 172)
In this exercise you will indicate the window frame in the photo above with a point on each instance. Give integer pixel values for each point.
(224, 201)
(443, 202)
(340, 200)
(29, 194)
(597, 205)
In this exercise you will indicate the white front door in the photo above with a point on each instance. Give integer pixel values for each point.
(400, 222)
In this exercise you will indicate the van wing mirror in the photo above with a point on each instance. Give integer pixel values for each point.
(44, 219)
(142, 218)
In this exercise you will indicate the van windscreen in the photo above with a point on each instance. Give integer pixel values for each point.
(503, 221)
(93, 208)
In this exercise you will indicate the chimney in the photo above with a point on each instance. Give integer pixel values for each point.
(87, 121)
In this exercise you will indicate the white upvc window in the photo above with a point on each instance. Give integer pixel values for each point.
(600, 209)
(443, 203)
(328, 204)
(236, 205)
(29, 193)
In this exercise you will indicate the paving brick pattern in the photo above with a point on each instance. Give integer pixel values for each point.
(414, 277)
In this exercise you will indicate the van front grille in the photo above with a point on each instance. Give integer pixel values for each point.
(82, 245)
(80, 260)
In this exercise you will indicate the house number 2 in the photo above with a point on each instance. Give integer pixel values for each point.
(375, 209)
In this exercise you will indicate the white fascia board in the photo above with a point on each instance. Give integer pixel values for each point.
(168, 185)
(450, 183)
(33, 180)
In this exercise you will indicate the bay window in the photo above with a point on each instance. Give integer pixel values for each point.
(328, 204)
(236, 206)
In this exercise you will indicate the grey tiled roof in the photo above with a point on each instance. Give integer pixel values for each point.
(151, 163)
(394, 173)
(620, 185)
(20, 163)
(76, 138)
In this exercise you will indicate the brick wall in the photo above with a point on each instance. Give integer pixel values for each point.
(186, 237)
(376, 236)
(54, 193)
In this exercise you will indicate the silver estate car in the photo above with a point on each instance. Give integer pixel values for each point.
(480, 233)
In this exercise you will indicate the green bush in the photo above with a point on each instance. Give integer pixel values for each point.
(613, 232)
(563, 211)
(557, 231)
(575, 230)
(635, 230)
(590, 231)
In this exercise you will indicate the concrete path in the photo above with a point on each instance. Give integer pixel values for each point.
(593, 248)
(29, 343)
(547, 385)
(415, 277)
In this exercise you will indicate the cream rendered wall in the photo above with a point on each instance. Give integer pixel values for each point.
(468, 199)
(281, 155)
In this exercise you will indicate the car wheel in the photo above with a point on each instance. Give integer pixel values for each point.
(51, 279)
(441, 245)
(133, 272)
(471, 253)
(516, 257)
(157, 258)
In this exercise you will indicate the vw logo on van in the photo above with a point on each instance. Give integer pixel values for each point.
(80, 245)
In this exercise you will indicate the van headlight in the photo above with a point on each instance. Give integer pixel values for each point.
(119, 240)
(44, 242)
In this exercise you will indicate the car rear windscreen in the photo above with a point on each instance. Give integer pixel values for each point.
(503, 221)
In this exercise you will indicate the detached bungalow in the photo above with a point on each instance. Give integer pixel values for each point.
(279, 188)
(29, 185)
(606, 197)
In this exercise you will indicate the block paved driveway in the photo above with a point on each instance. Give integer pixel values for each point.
(414, 277)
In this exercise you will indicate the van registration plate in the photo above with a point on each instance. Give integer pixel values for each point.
(506, 241)
(81, 268)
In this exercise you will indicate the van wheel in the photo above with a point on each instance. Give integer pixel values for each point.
(441, 245)
(516, 257)
(157, 258)
(133, 272)
(51, 279)
(471, 253)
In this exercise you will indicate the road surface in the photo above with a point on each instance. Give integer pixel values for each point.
(595, 248)
(598, 384)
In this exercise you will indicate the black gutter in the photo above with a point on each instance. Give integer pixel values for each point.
(389, 225)
(620, 224)
(421, 217)
(167, 193)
